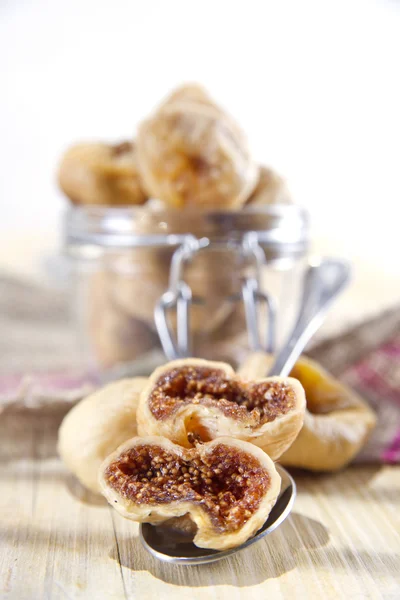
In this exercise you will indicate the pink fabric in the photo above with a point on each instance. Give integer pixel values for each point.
(392, 453)
(32, 390)
(377, 379)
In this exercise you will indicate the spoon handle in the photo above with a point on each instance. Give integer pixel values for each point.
(323, 282)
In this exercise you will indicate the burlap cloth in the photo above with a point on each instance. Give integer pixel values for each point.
(42, 374)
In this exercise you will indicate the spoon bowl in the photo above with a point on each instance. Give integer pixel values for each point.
(178, 548)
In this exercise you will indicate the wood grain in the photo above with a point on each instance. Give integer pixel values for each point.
(60, 542)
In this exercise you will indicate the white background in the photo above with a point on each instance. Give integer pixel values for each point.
(314, 83)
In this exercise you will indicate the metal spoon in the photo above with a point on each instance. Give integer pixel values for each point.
(323, 282)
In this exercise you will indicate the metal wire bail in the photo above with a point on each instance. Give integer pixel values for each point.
(255, 299)
(178, 298)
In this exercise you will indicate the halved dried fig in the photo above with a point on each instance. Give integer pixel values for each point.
(192, 154)
(194, 399)
(271, 189)
(337, 421)
(97, 173)
(227, 487)
(96, 426)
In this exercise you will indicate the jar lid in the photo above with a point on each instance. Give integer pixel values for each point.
(282, 230)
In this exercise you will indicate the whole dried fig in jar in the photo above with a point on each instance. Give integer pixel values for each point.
(229, 342)
(96, 426)
(271, 189)
(194, 399)
(226, 487)
(115, 335)
(137, 280)
(337, 421)
(192, 154)
(191, 92)
(97, 173)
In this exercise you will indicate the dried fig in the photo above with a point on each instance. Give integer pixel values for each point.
(229, 342)
(337, 421)
(271, 189)
(95, 173)
(193, 399)
(192, 154)
(116, 336)
(227, 487)
(192, 92)
(136, 282)
(96, 426)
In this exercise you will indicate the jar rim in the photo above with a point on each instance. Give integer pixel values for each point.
(282, 229)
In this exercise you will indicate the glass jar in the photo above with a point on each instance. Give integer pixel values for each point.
(151, 284)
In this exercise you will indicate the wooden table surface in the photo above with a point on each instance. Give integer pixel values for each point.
(59, 542)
